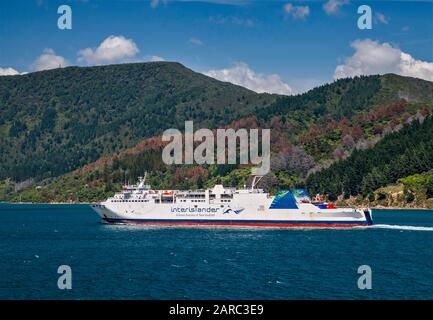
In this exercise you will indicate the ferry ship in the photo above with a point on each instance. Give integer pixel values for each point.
(220, 206)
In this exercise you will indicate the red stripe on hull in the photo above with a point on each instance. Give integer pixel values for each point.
(270, 225)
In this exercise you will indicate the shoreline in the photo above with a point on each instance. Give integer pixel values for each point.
(49, 203)
(90, 203)
(399, 208)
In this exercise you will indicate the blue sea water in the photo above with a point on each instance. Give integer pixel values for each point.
(136, 262)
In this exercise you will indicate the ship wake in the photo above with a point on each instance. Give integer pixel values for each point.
(400, 227)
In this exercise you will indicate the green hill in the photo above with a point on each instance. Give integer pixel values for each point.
(99, 120)
(53, 122)
(347, 97)
(398, 155)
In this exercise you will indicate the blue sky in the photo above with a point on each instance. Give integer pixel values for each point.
(274, 46)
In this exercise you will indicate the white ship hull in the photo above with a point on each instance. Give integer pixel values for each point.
(221, 206)
(241, 213)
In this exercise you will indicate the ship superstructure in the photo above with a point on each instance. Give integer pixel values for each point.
(220, 206)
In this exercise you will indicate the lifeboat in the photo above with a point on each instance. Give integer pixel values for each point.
(167, 193)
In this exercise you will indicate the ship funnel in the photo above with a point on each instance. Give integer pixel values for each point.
(218, 189)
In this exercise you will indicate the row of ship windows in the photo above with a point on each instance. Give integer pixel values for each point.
(130, 201)
(203, 200)
(180, 200)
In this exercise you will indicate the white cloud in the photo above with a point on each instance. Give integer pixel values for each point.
(380, 17)
(247, 23)
(195, 41)
(112, 49)
(242, 75)
(373, 57)
(49, 60)
(8, 72)
(153, 58)
(332, 7)
(297, 12)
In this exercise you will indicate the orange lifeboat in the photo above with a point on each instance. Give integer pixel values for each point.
(167, 193)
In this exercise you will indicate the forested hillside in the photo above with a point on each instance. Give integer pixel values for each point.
(90, 123)
(398, 155)
(55, 121)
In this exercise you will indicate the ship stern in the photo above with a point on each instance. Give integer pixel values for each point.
(368, 213)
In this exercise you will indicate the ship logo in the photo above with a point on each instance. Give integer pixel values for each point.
(284, 200)
(229, 210)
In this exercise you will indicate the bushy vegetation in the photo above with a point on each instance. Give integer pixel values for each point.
(6, 188)
(342, 98)
(397, 155)
(415, 191)
(420, 184)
